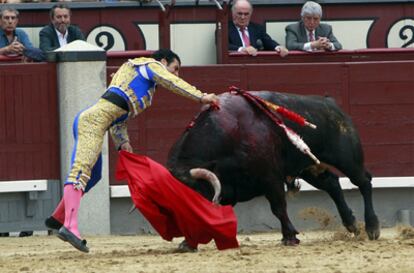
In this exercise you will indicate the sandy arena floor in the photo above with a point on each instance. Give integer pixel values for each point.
(319, 251)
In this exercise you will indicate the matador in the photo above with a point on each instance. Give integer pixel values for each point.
(130, 92)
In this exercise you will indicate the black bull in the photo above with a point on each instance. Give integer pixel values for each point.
(252, 156)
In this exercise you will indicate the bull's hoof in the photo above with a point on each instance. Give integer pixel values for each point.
(353, 229)
(373, 232)
(372, 228)
(374, 235)
(184, 247)
(290, 241)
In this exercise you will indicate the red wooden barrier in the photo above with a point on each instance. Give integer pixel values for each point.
(378, 95)
(360, 55)
(10, 59)
(29, 140)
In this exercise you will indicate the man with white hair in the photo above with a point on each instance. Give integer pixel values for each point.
(310, 34)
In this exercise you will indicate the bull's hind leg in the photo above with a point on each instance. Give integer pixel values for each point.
(350, 162)
(276, 196)
(323, 179)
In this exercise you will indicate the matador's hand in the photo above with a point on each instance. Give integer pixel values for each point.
(127, 147)
(210, 99)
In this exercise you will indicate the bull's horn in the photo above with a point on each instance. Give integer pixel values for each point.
(199, 173)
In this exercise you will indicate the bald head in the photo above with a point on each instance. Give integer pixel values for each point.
(242, 11)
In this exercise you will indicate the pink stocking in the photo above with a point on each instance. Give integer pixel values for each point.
(59, 213)
(72, 199)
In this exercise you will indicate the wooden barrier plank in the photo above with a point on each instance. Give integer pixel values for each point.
(386, 124)
(29, 143)
(384, 92)
(389, 160)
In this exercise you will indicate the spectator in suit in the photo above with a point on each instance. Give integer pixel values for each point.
(309, 34)
(245, 36)
(59, 32)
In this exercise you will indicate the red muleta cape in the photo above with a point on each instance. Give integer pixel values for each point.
(172, 208)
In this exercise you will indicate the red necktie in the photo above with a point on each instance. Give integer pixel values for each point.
(245, 37)
(311, 37)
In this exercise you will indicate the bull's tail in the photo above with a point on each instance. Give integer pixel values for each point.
(200, 173)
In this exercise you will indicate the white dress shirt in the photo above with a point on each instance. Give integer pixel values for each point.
(63, 38)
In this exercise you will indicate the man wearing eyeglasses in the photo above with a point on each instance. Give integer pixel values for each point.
(13, 41)
(248, 37)
(310, 34)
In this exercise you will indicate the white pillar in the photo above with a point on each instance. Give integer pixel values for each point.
(81, 73)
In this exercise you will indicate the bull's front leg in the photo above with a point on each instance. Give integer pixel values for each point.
(277, 200)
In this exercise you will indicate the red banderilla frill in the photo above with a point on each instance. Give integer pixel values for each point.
(267, 106)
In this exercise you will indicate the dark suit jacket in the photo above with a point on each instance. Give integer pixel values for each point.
(296, 35)
(256, 32)
(49, 40)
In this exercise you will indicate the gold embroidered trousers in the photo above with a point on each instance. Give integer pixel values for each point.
(89, 129)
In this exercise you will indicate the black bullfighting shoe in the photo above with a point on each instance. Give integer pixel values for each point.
(52, 223)
(67, 236)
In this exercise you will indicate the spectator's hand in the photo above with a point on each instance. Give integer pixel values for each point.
(210, 99)
(250, 50)
(15, 48)
(127, 147)
(326, 44)
(316, 45)
(322, 43)
(283, 51)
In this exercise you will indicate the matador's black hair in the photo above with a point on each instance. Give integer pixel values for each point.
(166, 54)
